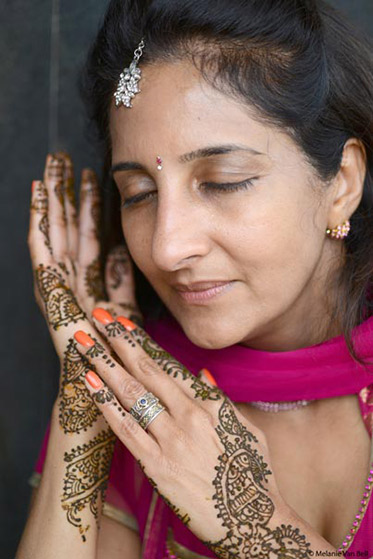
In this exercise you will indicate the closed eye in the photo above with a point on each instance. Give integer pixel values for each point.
(228, 186)
(211, 187)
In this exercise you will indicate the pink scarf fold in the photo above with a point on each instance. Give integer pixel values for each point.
(325, 370)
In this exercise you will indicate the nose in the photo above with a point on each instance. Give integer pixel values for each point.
(180, 233)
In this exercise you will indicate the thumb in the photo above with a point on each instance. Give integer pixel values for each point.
(205, 375)
(120, 284)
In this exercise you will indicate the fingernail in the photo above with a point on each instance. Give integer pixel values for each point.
(33, 185)
(102, 315)
(83, 339)
(127, 323)
(94, 380)
(209, 377)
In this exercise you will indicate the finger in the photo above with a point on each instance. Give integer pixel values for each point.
(89, 280)
(53, 180)
(70, 207)
(119, 278)
(126, 388)
(206, 377)
(120, 284)
(147, 362)
(141, 445)
(38, 236)
(194, 387)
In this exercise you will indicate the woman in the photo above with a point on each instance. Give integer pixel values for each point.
(240, 139)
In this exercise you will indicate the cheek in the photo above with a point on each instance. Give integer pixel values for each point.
(138, 233)
(278, 248)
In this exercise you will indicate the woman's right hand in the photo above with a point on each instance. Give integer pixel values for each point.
(68, 282)
(65, 255)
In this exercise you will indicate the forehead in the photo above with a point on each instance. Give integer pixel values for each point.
(177, 111)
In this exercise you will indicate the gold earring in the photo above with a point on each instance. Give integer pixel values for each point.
(339, 232)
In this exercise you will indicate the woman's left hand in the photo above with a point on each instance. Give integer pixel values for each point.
(201, 454)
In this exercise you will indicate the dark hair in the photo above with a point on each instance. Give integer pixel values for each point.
(299, 63)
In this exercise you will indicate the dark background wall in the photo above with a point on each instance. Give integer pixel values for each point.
(42, 47)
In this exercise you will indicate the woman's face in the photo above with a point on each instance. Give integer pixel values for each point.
(264, 234)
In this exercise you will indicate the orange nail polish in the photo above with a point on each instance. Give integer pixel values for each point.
(102, 315)
(127, 323)
(34, 183)
(94, 380)
(209, 377)
(83, 339)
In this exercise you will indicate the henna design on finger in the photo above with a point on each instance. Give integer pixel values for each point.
(39, 202)
(103, 396)
(63, 267)
(61, 306)
(86, 478)
(90, 191)
(106, 395)
(44, 228)
(120, 409)
(174, 368)
(39, 205)
(93, 281)
(55, 174)
(241, 500)
(55, 168)
(98, 350)
(69, 182)
(128, 338)
(115, 329)
(77, 410)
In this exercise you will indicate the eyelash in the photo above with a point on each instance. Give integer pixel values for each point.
(219, 187)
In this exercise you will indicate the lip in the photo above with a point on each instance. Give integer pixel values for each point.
(199, 285)
(201, 292)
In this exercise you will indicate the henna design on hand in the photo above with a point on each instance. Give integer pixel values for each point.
(241, 501)
(93, 281)
(77, 411)
(86, 477)
(60, 303)
(173, 368)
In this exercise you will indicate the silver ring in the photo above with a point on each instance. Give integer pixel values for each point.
(150, 414)
(142, 404)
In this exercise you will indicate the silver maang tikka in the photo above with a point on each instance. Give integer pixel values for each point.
(128, 85)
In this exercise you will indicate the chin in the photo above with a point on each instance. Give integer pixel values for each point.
(209, 336)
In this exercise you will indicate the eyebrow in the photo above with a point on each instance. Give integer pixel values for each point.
(191, 156)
